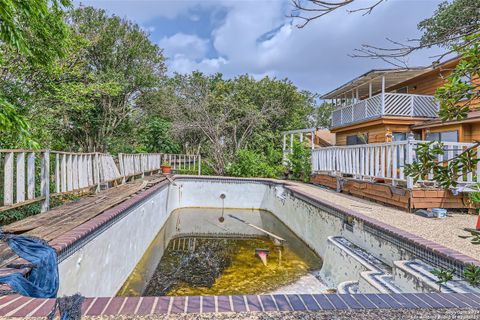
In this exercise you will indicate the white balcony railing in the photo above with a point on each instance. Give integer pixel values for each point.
(393, 104)
(384, 160)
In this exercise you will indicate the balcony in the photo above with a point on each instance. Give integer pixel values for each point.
(387, 104)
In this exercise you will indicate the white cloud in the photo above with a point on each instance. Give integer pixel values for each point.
(182, 64)
(256, 37)
(186, 45)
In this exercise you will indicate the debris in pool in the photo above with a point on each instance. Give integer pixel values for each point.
(262, 254)
(274, 236)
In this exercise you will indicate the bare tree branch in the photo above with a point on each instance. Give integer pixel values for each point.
(439, 30)
(318, 8)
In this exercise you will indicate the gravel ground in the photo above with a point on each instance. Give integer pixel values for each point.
(442, 231)
(399, 314)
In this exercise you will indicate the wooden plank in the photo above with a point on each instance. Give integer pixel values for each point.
(45, 180)
(90, 170)
(57, 173)
(8, 179)
(20, 183)
(69, 173)
(64, 224)
(75, 171)
(31, 176)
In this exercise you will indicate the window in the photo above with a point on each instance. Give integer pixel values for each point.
(399, 136)
(445, 136)
(402, 90)
(361, 138)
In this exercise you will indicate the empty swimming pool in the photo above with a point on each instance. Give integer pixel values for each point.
(344, 252)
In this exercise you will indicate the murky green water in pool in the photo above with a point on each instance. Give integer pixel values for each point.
(232, 262)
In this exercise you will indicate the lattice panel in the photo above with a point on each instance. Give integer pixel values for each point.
(336, 118)
(374, 106)
(359, 111)
(347, 114)
(425, 106)
(398, 104)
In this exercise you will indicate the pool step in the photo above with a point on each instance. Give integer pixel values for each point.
(183, 244)
(348, 287)
(416, 276)
(346, 262)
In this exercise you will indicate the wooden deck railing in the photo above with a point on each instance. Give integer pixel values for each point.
(141, 163)
(389, 104)
(383, 160)
(35, 175)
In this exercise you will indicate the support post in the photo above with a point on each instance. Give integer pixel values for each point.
(312, 140)
(409, 160)
(370, 89)
(199, 165)
(383, 95)
(291, 142)
(96, 171)
(8, 179)
(122, 167)
(45, 180)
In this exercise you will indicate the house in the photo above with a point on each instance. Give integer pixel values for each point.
(380, 118)
(385, 105)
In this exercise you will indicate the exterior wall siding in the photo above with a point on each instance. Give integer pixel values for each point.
(376, 133)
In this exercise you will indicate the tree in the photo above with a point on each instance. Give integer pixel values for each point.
(35, 33)
(323, 115)
(95, 88)
(309, 10)
(457, 96)
(220, 117)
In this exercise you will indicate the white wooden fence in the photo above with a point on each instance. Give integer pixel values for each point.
(136, 164)
(383, 160)
(32, 175)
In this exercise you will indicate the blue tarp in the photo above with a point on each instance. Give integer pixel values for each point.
(42, 281)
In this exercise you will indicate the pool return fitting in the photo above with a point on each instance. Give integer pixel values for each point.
(222, 196)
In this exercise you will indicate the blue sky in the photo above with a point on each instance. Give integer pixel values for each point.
(256, 37)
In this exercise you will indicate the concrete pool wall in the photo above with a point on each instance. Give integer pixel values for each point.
(100, 266)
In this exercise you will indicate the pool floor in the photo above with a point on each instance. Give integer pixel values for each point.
(201, 265)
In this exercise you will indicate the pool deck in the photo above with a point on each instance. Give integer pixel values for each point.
(438, 235)
(442, 231)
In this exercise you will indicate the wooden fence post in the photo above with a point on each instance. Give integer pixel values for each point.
(409, 160)
(45, 180)
(477, 171)
(8, 179)
(96, 171)
(199, 165)
(31, 176)
(122, 166)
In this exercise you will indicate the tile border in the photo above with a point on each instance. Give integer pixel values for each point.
(17, 306)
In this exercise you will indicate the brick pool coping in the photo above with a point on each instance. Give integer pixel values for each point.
(19, 306)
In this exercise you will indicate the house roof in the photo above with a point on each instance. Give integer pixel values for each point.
(473, 116)
(392, 77)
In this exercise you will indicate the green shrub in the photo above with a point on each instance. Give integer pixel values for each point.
(250, 163)
(299, 162)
